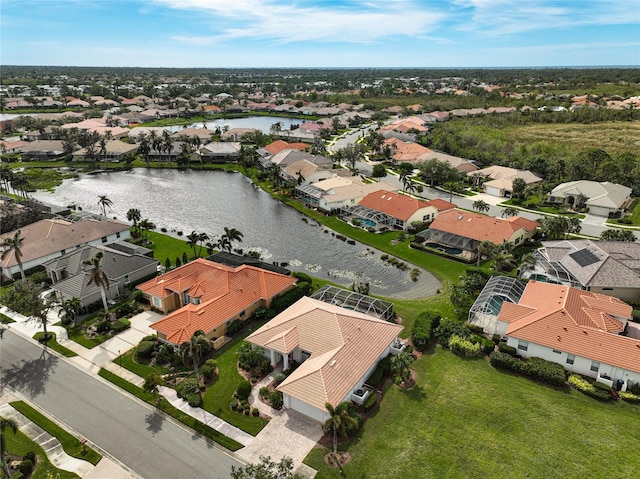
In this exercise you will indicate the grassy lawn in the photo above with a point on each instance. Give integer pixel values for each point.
(218, 396)
(142, 370)
(466, 420)
(77, 334)
(634, 217)
(53, 344)
(70, 443)
(165, 246)
(19, 444)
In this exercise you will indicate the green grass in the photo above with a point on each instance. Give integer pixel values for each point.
(464, 419)
(634, 217)
(165, 246)
(166, 407)
(4, 319)
(52, 343)
(69, 442)
(127, 361)
(19, 444)
(218, 396)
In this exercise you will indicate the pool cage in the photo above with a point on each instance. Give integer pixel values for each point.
(369, 217)
(355, 301)
(487, 306)
(448, 239)
(554, 269)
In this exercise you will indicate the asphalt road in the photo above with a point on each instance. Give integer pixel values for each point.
(149, 445)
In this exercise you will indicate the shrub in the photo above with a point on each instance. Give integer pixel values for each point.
(370, 401)
(536, 368)
(103, 327)
(602, 386)
(186, 387)
(287, 299)
(121, 325)
(503, 348)
(250, 357)
(474, 328)
(496, 338)
(276, 399)
(264, 392)
(208, 370)
(233, 405)
(488, 346)
(629, 397)
(255, 412)
(235, 326)
(243, 390)
(278, 378)
(194, 399)
(449, 327)
(423, 328)
(463, 347)
(263, 314)
(302, 277)
(30, 455)
(145, 349)
(26, 467)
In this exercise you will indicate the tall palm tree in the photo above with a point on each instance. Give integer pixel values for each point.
(230, 236)
(104, 203)
(503, 260)
(4, 425)
(527, 261)
(509, 211)
(193, 350)
(145, 226)
(202, 237)
(13, 245)
(192, 241)
(99, 277)
(144, 147)
(70, 309)
(480, 206)
(338, 420)
(485, 248)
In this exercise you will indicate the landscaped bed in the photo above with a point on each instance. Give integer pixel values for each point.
(465, 419)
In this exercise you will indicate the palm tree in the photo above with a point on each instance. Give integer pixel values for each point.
(144, 147)
(486, 248)
(4, 425)
(134, 216)
(13, 245)
(338, 420)
(480, 206)
(202, 237)
(527, 261)
(401, 365)
(509, 211)
(71, 308)
(99, 277)
(146, 225)
(192, 241)
(503, 260)
(194, 349)
(230, 236)
(104, 203)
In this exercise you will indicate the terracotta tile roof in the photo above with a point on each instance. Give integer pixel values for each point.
(480, 227)
(399, 206)
(223, 291)
(574, 321)
(343, 345)
(404, 151)
(279, 145)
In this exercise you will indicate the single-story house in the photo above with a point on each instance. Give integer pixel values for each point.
(12, 146)
(607, 267)
(575, 328)
(461, 164)
(209, 296)
(337, 193)
(115, 150)
(602, 198)
(236, 134)
(412, 124)
(219, 152)
(47, 239)
(406, 152)
(70, 277)
(277, 146)
(287, 157)
(398, 211)
(305, 172)
(297, 135)
(337, 348)
(43, 150)
(463, 231)
(501, 179)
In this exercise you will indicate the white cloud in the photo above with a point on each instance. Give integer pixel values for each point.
(284, 22)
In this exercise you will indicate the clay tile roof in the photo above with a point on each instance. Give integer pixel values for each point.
(394, 204)
(574, 321)
(343, 344)
(279, 145)
(223, 291)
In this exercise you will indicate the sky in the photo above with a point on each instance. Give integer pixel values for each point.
(320, 33)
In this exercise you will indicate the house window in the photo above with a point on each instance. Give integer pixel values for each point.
(126, 279)
(227, 322)
(523, 345)
(242, 313)
(104, 239)
(518, 240)
(595, 366)
(157, 302)
(557, 352)
(570, 358)
(193, 300)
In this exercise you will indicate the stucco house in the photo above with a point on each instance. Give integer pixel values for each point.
(208, 296)
(70, 277)
(607, 267)
(602, 198)
(498, 180)
(47, 239)
(219, 152)
(575, 328)
(463, 231)
(337, 193)
(43, 150)
(337, 348)
(399, 211)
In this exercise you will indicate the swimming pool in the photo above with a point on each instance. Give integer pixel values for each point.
(452, 251)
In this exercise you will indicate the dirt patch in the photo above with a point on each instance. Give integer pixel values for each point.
(342, 458)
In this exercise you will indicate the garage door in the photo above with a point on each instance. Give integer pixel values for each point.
(493, 191)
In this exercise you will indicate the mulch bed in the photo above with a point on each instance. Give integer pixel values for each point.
(343, 457)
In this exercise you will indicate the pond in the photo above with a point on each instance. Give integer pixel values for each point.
(207, 201)
(262, 123)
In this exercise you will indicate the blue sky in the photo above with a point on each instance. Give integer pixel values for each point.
(315, 33)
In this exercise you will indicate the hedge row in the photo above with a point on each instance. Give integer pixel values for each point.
(536, 368)
(463, 347)
(287, 299)
(423, 327)
(585, 387)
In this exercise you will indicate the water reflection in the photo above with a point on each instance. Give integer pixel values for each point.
(207, 201)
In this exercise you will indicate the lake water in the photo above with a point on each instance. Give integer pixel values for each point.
(260, 122)
(207, 201)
